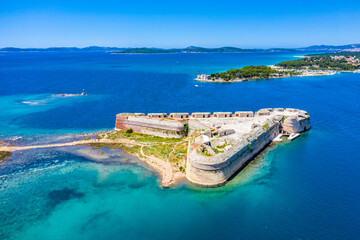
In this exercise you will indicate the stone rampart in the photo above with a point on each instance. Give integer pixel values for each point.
(227, 164)
(217, 169)
(196, 125)
(155, 126)
(296, 124)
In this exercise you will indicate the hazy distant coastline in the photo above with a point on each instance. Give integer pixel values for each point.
(191, 49)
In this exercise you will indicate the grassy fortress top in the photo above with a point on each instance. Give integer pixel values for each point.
(219, 143)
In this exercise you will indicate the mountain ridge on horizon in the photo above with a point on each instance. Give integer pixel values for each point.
(189, 49)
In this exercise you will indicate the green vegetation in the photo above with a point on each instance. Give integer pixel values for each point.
(4, 155)
(249, 72)
(146, 50)
(173, 150)
(329, 61)
(182, 169)
(134, 149)
(266, 126)
(140, 137)
(193, 49)
(346, 54)
(186, 128)
(179, 153)
(223, 145)
(344, 61)
(161, 151)
(129, 130)
(203, 151)
(217, 151)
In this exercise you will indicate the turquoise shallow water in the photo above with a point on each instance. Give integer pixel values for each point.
(306, 189)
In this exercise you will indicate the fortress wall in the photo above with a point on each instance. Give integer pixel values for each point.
(163, 133)
(296, 125)
(222, 114)
(244, 114)
(201, 115)
(195, 125)
(220, 173)
(179, 115)
(156, 127)
(121, 122)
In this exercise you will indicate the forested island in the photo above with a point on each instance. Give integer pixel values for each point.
(193, 49)
(190, 49)
(310, 65)
(342, 61)
(249, 72)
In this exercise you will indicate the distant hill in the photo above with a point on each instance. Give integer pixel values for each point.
(332, 47)
(191, 49)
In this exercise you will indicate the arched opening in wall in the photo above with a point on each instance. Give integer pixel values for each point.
(215, 115)
(304, 128)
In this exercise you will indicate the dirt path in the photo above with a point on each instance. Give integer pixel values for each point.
(164, 168)
(20, 148)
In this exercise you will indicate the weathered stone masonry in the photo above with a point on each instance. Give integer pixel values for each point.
(261, 128)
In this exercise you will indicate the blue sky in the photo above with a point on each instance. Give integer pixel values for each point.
(247, 24)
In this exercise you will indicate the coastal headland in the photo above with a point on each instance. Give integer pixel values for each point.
(310, 65)
(205, 148)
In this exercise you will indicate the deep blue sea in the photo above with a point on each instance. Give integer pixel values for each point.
(306, 189)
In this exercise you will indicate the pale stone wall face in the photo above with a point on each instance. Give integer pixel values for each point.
(157, 115)
(226, 132)
(246, 143)
(179, 115)
(244, 114)
(153, 126)
(222, 114)
(218, 174)
(263, 112)
(163, 133)
(201, 115)
(296, 124)
(195, 125)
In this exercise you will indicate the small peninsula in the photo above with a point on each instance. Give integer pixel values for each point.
(342, 62)
(205, 148)
(310, 65)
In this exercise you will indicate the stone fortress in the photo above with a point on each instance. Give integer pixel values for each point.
(222, 143)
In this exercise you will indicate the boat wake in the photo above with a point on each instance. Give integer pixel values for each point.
(67, 95)
(50, 98)
(37, 102)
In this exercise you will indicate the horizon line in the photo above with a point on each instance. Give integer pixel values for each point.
(191, 46)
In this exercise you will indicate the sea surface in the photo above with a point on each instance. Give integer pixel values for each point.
(306, 189)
